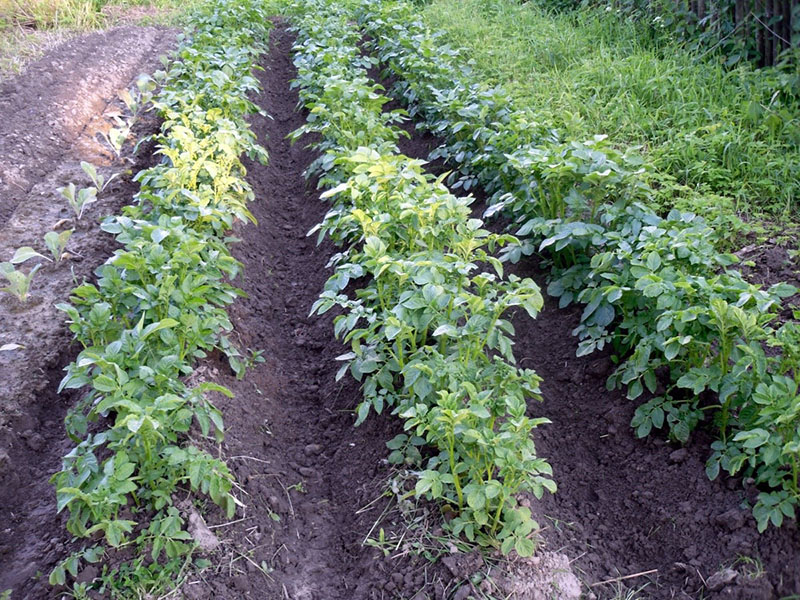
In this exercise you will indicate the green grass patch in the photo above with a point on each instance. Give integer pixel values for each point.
(716, 137)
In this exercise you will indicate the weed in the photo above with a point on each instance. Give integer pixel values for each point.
(750, 566)
(298, 487)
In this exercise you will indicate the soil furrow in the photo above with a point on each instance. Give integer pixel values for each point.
(305, 469)
(53, 103)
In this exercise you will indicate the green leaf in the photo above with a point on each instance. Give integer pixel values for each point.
(362, 412)
(104, 383)
(524, 547)
(476, 499)
(445, 329)
(25, 253)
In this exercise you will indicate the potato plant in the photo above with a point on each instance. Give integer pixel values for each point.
(683, 323)
(158, 304)
(424, 302)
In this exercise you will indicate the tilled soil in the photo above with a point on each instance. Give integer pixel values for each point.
(51, 117)
(627, 506)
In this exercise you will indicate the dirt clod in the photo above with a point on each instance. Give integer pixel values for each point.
(732, 519)
(678, 456)
(720, 579)
(205, 538)
(547, 575)
(312, 449)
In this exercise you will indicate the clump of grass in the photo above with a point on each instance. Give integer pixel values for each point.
(706, 129)
(48, 15)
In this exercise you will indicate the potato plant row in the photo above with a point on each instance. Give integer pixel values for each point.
(158, 305)
(685, 325)
(421, 299)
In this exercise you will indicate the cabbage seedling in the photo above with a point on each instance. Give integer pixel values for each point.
(98, 180)
(117, 136)
(19, 283)
(25, 253)
(78, 199)
(57, 242)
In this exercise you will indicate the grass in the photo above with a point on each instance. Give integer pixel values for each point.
(50, 14)
(44, 15)
(715, 136)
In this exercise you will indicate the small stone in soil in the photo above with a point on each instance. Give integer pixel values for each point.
(720, 579)
(312, 449)
(678, 456)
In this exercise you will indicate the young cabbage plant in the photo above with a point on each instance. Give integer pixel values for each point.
(78, 199)
(140, 96)
(19, 283)
(57, 243)
(117, 136)
(24, 253)
(99, 181)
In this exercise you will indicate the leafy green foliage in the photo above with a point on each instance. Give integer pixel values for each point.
(722, 137)
(688, 331)
(99, 181)
(423, 301)
(158, 304)
(57, 243)
(19, 282)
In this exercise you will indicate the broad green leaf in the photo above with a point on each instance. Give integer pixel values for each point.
(25, 253)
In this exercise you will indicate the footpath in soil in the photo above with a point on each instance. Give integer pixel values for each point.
(51, 117)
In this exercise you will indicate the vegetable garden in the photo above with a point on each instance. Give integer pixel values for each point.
(559, 389)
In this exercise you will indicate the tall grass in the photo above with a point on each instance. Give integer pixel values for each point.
(713, 135)
(28, 28)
